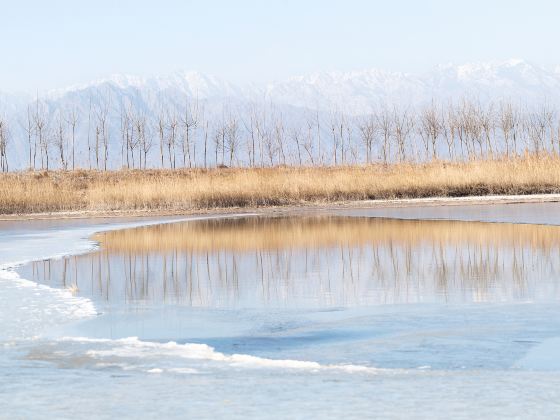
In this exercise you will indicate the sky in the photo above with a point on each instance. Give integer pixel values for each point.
(57, 43)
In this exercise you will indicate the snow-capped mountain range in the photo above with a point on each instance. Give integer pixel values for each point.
(355, 92)
(351, 93)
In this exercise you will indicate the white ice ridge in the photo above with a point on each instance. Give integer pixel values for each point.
(132, 347)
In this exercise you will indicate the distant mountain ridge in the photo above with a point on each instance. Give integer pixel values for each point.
(355, 92)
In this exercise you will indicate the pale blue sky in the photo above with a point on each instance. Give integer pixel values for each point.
(54, 43)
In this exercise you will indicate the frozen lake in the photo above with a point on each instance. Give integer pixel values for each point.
(426, 312)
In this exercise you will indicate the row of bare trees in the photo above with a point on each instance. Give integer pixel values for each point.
(49, 134)
(188, 136)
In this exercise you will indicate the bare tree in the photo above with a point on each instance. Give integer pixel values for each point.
(97, 143)
(308, 143)
(319, 152)
(549, 116)
(173, 125)
(232, 138)
(29, 129)
(449, 126)
(125, 136)
(161, 133)
(430, 128)
(297, 138)
(250, 128)
(507, 122)
(220, 133)
(536, 127)
(146, 139)
(461, 128)
(488, 127)
(189, 122)
(335, 139)
(403, 125)
(350, 147)
(72, 120)
(144, 136)
(279, 138)
(89, 132)
(60, 141)
(264, 138)
(385, 124)
(4, 135)
(368, 129)
(102, 133)
(206, 129)
(135, 138)
(41, 128)
(472, 129)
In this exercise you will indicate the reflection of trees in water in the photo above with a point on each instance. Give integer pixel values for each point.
(349, 261)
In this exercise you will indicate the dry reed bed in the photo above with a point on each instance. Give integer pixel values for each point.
(257, 233)
(32, 192)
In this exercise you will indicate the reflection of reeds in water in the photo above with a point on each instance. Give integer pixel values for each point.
(327, 261)
(311, 232)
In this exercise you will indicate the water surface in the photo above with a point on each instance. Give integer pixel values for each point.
(326, 315)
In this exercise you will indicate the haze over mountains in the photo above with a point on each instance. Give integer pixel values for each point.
(351, 93)
(355, 92)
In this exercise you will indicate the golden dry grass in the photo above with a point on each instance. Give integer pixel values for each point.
(166, 190)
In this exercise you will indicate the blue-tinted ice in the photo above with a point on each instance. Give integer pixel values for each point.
(316, 315)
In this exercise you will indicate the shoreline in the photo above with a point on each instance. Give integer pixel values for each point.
(320, 206)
